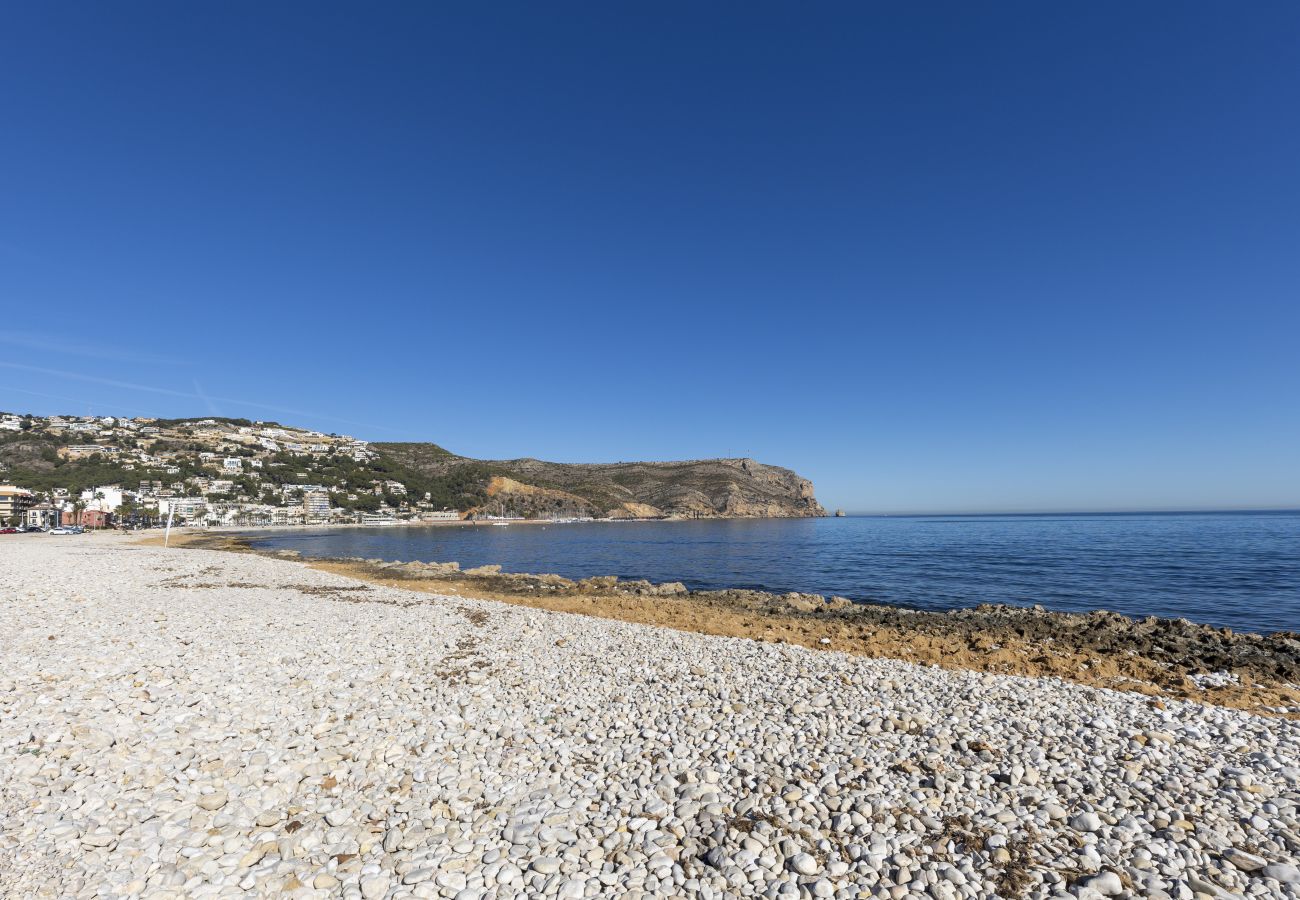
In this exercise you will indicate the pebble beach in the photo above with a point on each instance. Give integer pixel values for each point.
(195, 723)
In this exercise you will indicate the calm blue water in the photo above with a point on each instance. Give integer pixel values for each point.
(1240, 570)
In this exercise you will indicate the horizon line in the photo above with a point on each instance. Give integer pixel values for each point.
(1132, 511)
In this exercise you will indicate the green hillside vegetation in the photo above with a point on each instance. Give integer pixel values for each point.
(32, 461)
(699, 487)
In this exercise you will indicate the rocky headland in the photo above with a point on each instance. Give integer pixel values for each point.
(533, 488)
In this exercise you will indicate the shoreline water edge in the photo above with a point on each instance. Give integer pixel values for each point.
(1227, 570)
(1160, 657)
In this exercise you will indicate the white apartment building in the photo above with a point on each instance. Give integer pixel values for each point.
(316, 506)
(43, 515)
(185, 508)
(106, 499)
(285, 515)
(378, 518)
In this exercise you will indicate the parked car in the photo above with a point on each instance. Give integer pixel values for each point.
(63, 530)
(10, 531)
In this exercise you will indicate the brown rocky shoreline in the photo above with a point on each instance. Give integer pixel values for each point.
(1172, 658)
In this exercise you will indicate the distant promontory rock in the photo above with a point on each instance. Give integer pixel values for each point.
(706, 488)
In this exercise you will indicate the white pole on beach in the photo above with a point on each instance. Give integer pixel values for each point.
(167, 533)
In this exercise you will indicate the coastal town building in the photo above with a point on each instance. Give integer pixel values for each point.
(43, 515)
(108, 498)
(14, 503)
(87, 518)
(185, 509)
(316, 506)
(286, 515)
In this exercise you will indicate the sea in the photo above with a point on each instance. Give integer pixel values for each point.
(1234, 570)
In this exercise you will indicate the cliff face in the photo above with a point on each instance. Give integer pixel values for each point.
(695, 489)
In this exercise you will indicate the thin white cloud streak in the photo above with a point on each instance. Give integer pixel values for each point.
(120, 408)
(212, 407)
(187, 395)
(95, 379)
(47, 344)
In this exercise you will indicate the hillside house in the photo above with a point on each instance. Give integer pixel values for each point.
(84, 451)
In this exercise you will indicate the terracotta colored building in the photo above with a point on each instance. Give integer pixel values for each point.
(88, 518)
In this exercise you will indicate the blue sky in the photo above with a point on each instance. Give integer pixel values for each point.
(937, 257)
